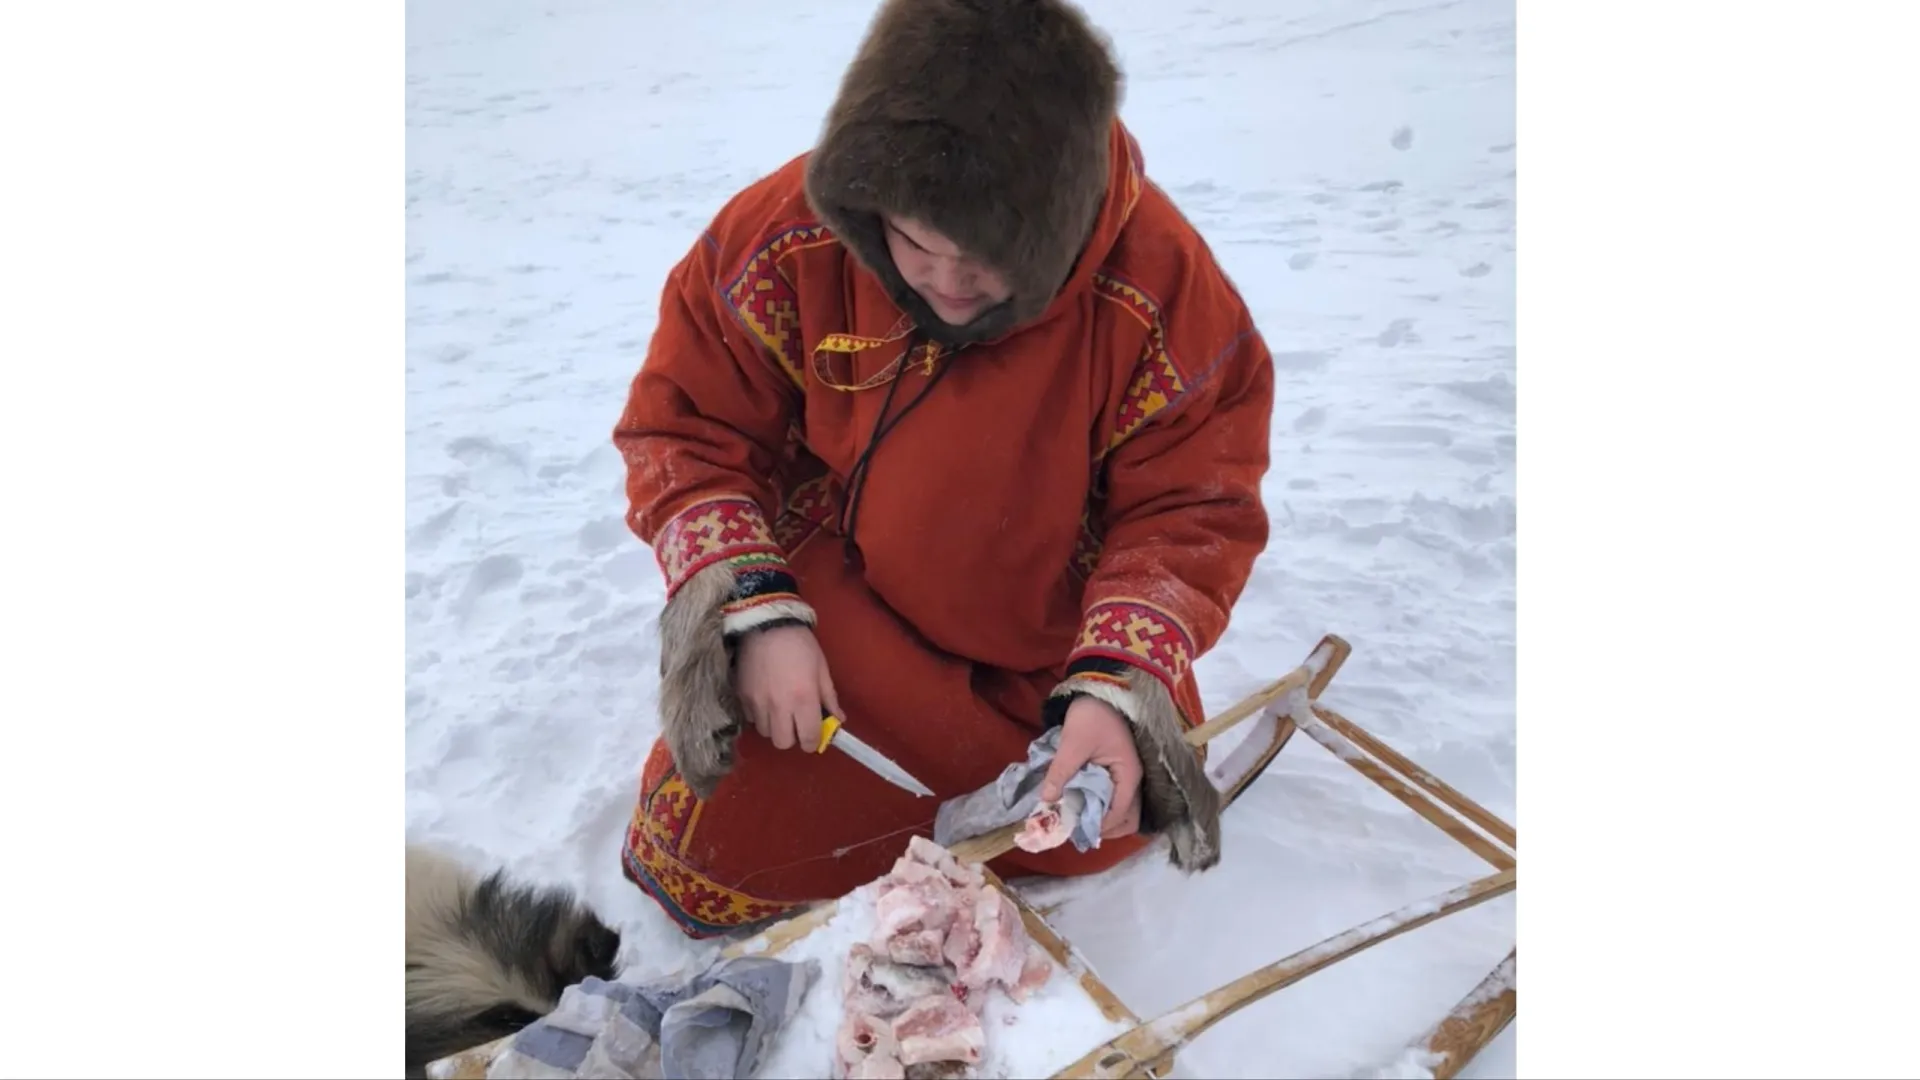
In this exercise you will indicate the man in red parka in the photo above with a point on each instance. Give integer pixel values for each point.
(952, 427)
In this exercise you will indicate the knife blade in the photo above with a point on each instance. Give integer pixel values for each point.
(833, 733)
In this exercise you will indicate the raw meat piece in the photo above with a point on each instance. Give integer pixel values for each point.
(916, 906)
(1001, 951)
(922, 850)
(1050, 824)
(963, 940)
(1034, 975)
(877, 987)
(914, 991)
(939, 1029)
(868, 1049)
(920, 948)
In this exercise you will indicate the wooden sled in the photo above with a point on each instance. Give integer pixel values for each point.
(1147, 1049)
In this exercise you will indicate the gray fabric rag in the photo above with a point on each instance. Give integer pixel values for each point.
(716, 1026)
(1016, 794)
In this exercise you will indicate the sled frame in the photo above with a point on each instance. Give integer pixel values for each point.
(1288, 705)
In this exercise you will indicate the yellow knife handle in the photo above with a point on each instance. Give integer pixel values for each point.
(829, 724)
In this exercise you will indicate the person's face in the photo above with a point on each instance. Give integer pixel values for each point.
(958, 288)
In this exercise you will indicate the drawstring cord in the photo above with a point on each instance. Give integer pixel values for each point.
(882, 427)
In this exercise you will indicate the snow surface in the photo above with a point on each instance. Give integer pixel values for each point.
(1056, 1026)
(1352, 165)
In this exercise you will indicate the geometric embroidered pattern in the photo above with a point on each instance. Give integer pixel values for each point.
(706, 532)
(767, 303)
(810, 506)
(653, 858)
(1157, 379)
(1140, 634)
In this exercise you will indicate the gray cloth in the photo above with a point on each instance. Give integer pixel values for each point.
(715, 1026)
(1016, 794)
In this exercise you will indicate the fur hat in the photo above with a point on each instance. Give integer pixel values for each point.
(987, 120)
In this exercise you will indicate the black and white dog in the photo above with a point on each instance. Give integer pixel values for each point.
(487, 956)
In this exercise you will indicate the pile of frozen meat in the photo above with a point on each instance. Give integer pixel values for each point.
(944, 939)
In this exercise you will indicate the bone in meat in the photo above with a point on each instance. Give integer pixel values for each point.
(939, 1029)
(868, 1049)
(1051, 824)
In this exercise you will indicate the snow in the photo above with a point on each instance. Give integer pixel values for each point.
(1053, 1028)
(1414, 1063)
(1351, 164)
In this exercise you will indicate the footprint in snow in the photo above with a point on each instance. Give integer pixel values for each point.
(604, 535)
(490, 575)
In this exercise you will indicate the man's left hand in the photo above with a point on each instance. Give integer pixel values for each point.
(1096, 732)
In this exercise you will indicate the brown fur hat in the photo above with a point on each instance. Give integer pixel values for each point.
(987, 120)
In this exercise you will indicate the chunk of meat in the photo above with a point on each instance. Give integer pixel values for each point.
(914, 991)
(1036, 973)
(868, 1050)
(963, 942)
(1000, 952)
(914, 912)
(875, 986)
(924, 851)
(939, 1029)
(1051, 824)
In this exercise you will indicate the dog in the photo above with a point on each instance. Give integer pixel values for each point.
(486, 956)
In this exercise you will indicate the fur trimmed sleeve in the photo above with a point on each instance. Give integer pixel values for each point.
(703, 427)
(1181, 525)
(704, 423)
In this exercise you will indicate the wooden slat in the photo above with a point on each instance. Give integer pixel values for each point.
(1434, 786)
(1128, 1054)
(1477, 1020)
(1459, 831)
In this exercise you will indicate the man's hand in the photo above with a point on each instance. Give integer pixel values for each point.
(1095, 732)
(783, 683)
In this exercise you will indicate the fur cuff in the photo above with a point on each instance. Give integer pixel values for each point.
(700, 714)
(1176, 796)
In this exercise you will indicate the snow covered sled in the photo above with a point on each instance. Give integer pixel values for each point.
(1089, 1032)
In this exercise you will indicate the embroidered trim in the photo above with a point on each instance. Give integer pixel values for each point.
(811, 506)
(1137, 633)
(767, 304)
(706, 532)
(1158, 381)
(653, 859)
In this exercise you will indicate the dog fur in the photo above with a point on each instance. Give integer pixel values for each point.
(988, 120)
(1176, 796)
(487, 956)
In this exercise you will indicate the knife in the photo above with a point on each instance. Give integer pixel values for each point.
(834, 733)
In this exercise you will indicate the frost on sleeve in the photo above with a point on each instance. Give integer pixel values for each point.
(704, 423)
(1182, 520)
